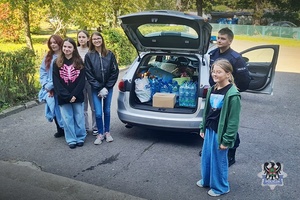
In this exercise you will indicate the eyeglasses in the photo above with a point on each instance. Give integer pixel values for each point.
(99, 38)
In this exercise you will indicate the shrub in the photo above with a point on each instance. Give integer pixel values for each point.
(119, 44)
(17, 77)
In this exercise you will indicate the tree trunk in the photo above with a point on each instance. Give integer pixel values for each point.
(178, 5)
(258, 12)
(199, 4)
(25, 11)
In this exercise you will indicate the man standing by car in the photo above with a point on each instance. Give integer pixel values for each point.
(240, 72)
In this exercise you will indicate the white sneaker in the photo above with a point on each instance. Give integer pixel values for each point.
(199, 184)
(99, 139)
(108, 137)
(213, 194)
(95, 132)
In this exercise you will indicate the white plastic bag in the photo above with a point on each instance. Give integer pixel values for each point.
(143, 89)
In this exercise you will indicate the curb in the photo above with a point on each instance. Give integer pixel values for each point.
(19, 108)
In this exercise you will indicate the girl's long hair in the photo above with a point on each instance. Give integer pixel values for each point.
(227, 67)
(49, 55)
(103, 50)
(77, 61)
(87, 35)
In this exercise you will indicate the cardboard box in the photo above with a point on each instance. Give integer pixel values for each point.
(164, 100)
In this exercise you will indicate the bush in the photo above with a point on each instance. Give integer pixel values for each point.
(17, 77)
(119, 44)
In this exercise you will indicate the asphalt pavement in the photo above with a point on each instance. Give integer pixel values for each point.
(157, 167)
(151, 165)
(26, 181)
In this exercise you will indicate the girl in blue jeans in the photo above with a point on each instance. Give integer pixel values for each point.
(102, 73)
(102, 113)
(69, 82)
(220, 123)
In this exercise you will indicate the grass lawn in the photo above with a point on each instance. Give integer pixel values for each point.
(39, 42)
(271, 40)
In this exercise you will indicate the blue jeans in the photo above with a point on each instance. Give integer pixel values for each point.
(214, 164)
(102, 110)
(74, 126)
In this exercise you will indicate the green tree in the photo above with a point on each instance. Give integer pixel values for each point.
(10, 23)
(204, 6)
(161, 5)
(23, 6)
(286, 5)
(60, 15)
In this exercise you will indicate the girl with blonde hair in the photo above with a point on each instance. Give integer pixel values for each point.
(219, 128)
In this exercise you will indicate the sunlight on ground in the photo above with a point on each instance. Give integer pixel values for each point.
(288, 60)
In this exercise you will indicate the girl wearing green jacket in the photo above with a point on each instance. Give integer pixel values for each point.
(219, 128)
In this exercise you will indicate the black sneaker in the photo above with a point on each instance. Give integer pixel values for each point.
(59, 134)
(231, 161)
(72, 146)
(80, 144)
(95, 132)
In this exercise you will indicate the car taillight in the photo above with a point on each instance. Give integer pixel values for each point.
(121, 86)
(205, 90)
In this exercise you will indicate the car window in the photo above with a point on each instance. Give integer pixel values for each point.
(259, 55)
(286, 25)
(151, 30)
(169, 66)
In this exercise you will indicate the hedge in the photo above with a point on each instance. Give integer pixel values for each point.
(17, 77)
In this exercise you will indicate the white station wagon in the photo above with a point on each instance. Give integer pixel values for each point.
(173, 51)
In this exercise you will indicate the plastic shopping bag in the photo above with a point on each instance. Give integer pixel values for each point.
(143, 89)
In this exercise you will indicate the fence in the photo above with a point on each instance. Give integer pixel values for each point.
(251, 30)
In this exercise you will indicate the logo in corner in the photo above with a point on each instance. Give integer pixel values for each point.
(272, 174)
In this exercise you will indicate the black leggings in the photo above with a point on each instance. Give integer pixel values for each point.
(237, 141)
(59, 129)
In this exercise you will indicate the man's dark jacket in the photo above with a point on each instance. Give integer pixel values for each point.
(240, 69)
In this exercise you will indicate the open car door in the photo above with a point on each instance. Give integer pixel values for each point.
(261, 62)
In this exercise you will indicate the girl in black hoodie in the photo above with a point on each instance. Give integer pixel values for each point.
(69, 82)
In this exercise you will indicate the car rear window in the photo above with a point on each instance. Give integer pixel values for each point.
(152, 30)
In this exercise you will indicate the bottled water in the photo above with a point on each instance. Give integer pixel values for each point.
(175, 91)
(157, 84)
(165, 88)
(193, 91)
(187, 94)
(152, 86)
(181, 96)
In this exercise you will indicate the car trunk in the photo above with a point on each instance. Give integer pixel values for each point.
(160, 77)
